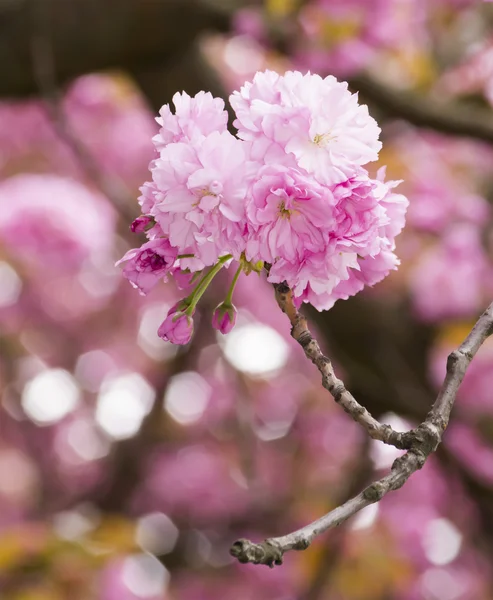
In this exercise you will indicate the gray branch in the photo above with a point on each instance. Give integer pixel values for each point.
(334, 385)
(421, 442)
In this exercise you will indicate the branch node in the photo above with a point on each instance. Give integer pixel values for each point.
(453, 359)
(304, 337)
(427, 437)
(337, 390)
(374, 492)
(301, 544)
(267, 552)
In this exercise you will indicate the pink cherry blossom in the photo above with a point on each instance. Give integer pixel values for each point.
(358, 246)
(199, 191)
(316, 120)
(194, 117)
(146, 265)
(288, 210)
(290, 192)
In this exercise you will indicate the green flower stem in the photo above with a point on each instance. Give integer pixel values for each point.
(204, 284)
(229, 298)
(185, 255)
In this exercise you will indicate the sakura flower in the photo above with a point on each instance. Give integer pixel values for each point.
(194, 117)
(289, 211)
(146, 265)
(199, 197)
(289, 193)
(316, 120)
(177, 327)
(358, 244)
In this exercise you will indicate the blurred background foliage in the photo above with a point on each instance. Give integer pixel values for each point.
(128, 466)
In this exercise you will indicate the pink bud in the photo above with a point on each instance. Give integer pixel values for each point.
(141, 224)
(224, 317)
(177, 328)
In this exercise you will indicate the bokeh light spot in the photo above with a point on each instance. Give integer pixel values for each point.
(50, 396)
(92, 367)
(148, 338)
(256, 348)
(123, 403)
(441, 541)
(144, 575)
(439, 584)
(187, 397)
(384, 455)
(366, 517)
(156, 533)
(87, 442)
(10, 285)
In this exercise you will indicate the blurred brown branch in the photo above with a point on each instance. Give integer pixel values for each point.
(421, 441)
(331, 383)
(91, 35)
(44, 69)
(156, 41)
(451, 118)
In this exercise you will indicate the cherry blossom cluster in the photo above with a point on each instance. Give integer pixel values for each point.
(288, 194)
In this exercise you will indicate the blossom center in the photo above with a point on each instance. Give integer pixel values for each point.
(283, 211)
(322, 139)
(152, 260)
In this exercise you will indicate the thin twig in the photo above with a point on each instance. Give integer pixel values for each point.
(330, 381)
(422, 441)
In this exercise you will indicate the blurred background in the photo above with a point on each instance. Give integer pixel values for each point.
(128, 466)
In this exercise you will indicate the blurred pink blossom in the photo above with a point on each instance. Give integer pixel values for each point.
(344, 36)
(53, 222)
(199, 482)
(450, 279)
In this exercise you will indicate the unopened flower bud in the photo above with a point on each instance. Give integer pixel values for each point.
(224, 317)
(177, 328)
(141, 224)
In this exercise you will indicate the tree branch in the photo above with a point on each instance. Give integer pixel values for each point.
(301, 333)
(450, 118)
(44, 71)
(421, 441)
